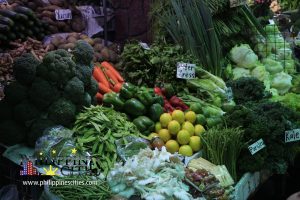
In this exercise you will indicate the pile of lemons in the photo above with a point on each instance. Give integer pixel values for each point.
(179, 132)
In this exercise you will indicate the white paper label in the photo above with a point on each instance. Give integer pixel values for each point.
(87, 11)
(144, 45)
(186, 71)
(257, 146)
(271, 21)
(292, 135)
(63, 14)
(236, 3)
(3, 2)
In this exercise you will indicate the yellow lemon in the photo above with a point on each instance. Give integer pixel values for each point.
(186, 150)
(178, 115)
(157, 127)
(199, 129)
(152, 135)
(189, 127)
(195, 143)
(172, 146)
(174, 127)
(190, 116)
(164, 135)
(183, 137)
(165, 119)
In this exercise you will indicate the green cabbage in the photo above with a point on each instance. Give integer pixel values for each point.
(260, 72)
(282, 82)
(240, 72)
(272, 66)
(243, 56)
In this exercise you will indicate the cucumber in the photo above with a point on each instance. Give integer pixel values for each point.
(12, 36)
(23, 17)
(3, 38)
(10, 14)
(24, 10)
(4, 28)
(6, 21)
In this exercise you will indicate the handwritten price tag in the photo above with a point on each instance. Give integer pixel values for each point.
(144, 45)
(292, 135)
(256, 147)
(63, 14)
(186, 71)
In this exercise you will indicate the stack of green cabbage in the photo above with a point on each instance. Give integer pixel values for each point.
(270, 71)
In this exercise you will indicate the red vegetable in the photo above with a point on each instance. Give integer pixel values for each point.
(158, 91)
(177, 102)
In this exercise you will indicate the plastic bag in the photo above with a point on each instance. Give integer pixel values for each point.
(130, 146)
(9, 192)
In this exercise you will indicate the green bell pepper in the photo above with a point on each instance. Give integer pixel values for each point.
(159, 99)
(113, 99)
(127, 91)
(144, 124)
(134, 107)
(155, 111)
(145, 97)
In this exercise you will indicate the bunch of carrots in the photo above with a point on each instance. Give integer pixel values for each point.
(108, 78)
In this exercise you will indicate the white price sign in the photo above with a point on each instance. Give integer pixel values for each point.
(292, 135)
(186, 71)
(144, 45)
(271, 21)
(63, 14)
(3, 2)
(257, 146)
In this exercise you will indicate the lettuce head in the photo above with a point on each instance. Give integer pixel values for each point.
(282, 82)
(243, 56)
(272, 66)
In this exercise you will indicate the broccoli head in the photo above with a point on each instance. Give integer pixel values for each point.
(247, 89)
(42, 93)
(84, 73)
(74, 90)
(15, 93)
(37, 129)
(11, 133)
(24, 112)
(83, 53)
(93, 87)
(24, 68)
(62, 112)
(6, 111)
(57, 67)
(85, 101)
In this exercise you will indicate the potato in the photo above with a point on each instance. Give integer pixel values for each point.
(57, 2)
(53, 29)
(51, 47)
(98, 40)
(67, 46)
(49, 14)
(105, 53)
(98, 47)
(78, 24)
(51, 8)
(89, 40)
(98, 57)
(61, 24)
(83, 36)
(71, 39)
(57, 41)
(66, 29)
(113, 56)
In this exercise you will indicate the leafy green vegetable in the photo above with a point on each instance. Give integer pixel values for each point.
(247, 89)
(290, 100)
(243, 56)
(282, 82)
(223, 146)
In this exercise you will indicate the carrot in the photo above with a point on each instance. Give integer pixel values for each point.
(110, 67)
(110, 76)
(117, 87)
(103, 88)
(99, 97)
(99, 76)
